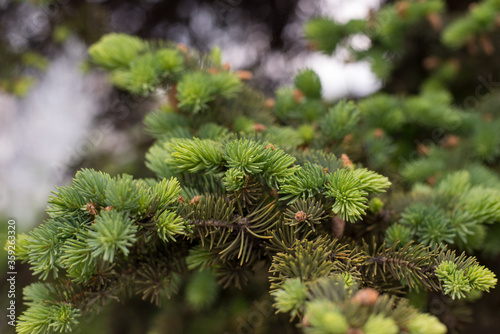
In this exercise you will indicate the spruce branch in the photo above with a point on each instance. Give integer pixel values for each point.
(305, 183)
(245, 155)
(111, 231)
(350, 197)
(236, 188)
(194, 92)
(196, 155)
(116, 50)
(160, 122)
(305, 214)
(340, 120)
(291, 297)
(309, 83)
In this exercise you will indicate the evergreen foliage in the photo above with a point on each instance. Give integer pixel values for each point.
(243, 181)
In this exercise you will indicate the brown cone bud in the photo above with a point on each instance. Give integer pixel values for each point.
(259, 127)
(91, 208)
(423, 149)
(109, 208)
(347, 138)
(431, 180)
(450, 141)
(431, 62)
(435, 21)
(298, 96)
(269, 103)
(212, 70)
(402, 8)
(300, 216)
(486, 45)
(366, 297)
(244, 75)
(270, 146)
(355, 331)
(195, 200)
(182, 47)
(346, 162)
(378, 133)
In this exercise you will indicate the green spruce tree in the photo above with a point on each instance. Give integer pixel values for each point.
(326, 197)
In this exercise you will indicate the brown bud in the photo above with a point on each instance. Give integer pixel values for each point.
(271, 146)
(435, 21)
(355, 331)
(431, 180)
(180, 199)
(244, 75)
(91, 208)
(423, 149)
(300, 216)
(431, 62)
(269, 103)
(259, 127)
(450, 141)
(226, 67)
(346, 162)
(298, 96)
(212, 70)
(182, 47)
(347, 138)
(366, 297)
(305, 321)
(109, 208)
(195, 200)
(402, 8)
(378, 133)
(486, 45)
